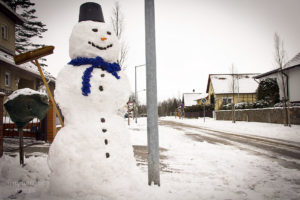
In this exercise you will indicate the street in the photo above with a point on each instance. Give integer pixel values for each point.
(286, 153)
(208, 161)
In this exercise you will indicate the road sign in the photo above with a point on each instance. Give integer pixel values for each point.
(203, 100)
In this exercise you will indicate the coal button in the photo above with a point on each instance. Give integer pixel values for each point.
(107, 155)
(101, 88)
(102, 120)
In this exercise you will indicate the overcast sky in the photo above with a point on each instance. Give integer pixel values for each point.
(194, 38)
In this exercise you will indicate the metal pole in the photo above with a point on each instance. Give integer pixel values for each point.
(135, 96)
(21, 146)
(204, 112)
(152, 115)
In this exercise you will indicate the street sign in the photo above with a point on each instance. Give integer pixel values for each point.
(203, 100)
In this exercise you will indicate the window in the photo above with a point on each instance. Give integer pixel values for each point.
(7, 79)
(224, 101)
(4, 32)
(227, 100)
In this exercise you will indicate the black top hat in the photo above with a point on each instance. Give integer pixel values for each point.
(91, 11)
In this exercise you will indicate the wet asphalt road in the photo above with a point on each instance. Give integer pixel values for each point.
(286, 153)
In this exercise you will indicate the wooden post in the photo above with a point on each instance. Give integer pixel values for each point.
(51, 123)
(49, 92)
(1, 123)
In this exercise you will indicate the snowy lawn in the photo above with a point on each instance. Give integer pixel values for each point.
(194, 170)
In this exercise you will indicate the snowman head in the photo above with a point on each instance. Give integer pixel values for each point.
(90, 39)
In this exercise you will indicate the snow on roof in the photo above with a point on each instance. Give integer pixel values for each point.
(202, 96)
(191, 98)
(293, 62)
(24, 91)
(26, 66)
(243, 83)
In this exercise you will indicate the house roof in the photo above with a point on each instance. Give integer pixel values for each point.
(10, 13)
(191, 98)
(294, 62)
(28, 67)
(202, 96)
(222, 83)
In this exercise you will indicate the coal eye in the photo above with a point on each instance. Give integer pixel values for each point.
(108, 33)
(95, 30)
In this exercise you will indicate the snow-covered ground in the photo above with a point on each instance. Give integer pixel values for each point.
(275, 131)
(193, 170)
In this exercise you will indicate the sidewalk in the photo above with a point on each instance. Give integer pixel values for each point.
(31, 146)
(268, 130)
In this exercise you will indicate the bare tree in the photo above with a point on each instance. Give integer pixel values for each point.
(280, 59)
(233, 92)
(117, 20)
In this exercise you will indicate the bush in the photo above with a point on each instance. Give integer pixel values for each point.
(198, 108)
(291, 104)
(245, 105)
(241, 105)
(227, 107)
(261, 104)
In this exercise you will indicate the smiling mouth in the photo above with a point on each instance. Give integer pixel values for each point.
(100, 48)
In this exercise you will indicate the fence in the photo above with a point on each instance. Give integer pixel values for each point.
(33, 129)
(268, 115)
(208, 113)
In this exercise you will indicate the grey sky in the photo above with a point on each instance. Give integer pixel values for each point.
(193, 37)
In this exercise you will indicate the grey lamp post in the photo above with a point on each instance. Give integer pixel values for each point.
(152, 115)
(135, 94)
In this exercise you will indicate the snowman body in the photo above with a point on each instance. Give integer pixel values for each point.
(92, 153)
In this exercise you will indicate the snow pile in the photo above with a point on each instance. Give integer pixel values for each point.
(31, 180)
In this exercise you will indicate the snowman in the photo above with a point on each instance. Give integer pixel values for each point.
(92, 153)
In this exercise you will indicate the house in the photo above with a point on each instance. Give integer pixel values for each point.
(290, 74)
(223, 89)
(203, 100)
(12, 76)
(190, 99)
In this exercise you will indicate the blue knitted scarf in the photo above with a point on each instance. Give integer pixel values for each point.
(97, 62)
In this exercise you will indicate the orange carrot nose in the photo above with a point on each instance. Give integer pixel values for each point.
(103, 38)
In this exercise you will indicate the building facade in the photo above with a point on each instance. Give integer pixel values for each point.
(288, 79)
(225, 89)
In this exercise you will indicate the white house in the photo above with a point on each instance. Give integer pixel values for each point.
(291, 78)
(190, 99)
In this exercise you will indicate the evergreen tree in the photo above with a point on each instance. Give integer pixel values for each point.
(268, 90)
(30, 29)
